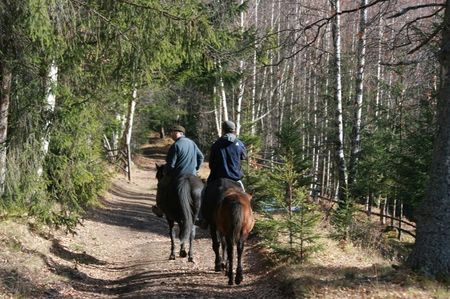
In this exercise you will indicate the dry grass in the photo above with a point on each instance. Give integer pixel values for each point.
(343, 270)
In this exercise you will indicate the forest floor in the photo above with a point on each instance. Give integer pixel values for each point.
(121, 250)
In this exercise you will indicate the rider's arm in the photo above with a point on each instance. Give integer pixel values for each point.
(200, 157)
(171, 159)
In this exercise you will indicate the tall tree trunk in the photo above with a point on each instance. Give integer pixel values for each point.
(129, 128)
(254, 78)
(380, 48)
(52, 81)
(5, 94)
(342, 168)
(431, 254)
(223, 95)
(359, 92)
(217, 111)
(241, 80)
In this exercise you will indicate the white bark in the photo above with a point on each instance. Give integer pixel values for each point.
(129, 128)
(254, 79)
(359, 92)
(217, 111)
(5, 94)
(378, 94)
(52, 82)
(223, 95)
(241, 80)
(342, 171)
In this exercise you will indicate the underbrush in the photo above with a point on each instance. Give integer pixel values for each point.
(371, 235)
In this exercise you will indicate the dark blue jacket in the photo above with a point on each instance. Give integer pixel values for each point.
(184, 157)
(225, 158)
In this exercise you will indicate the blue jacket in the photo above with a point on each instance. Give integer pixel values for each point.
(184, 157)
(225, 158)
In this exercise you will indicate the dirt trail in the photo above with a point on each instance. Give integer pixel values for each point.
(122, 251)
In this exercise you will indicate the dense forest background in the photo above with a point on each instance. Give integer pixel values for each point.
(345, 91)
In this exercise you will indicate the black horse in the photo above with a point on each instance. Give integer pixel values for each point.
(214, 195)
(179, 199)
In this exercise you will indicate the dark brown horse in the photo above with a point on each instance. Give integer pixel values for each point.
(227, 209)
(179, 199)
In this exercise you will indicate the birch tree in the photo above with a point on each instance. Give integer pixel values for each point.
(339, 138)
(5, 95)
(241, 84)
(359, 92)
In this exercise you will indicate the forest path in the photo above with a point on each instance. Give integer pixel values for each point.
(125, 250)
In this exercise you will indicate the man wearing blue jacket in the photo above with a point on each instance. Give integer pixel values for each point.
(225, 161)
(184, 157)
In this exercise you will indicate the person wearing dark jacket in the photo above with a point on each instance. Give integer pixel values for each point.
(226, 155)
(225, 158)
(184, 157)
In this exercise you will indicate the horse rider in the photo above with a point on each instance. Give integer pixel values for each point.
(225, 158)
(184, 157)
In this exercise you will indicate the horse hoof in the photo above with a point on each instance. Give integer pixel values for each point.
(239, 278)
(172, 257)
(230, 282)
(191, 260)
(218, 268)
(183, 253)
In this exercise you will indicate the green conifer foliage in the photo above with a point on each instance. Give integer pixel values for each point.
(290, 218)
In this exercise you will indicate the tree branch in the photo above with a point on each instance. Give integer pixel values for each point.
(407, 9)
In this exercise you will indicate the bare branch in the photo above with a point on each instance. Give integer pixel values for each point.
(407, 9)
(425, 41)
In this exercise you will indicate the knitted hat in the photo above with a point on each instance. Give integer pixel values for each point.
(178, 128)
(228, 126)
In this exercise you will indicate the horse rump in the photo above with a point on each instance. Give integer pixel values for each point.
(234, 222)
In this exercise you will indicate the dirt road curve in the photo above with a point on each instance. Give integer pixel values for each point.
(126, 248)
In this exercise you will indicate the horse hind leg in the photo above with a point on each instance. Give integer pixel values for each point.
(172, 239)
(216, 248)
(240, 249)
(230, 260)
(191, 249)
(223, 243)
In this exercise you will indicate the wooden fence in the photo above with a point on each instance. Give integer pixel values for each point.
(120, 158)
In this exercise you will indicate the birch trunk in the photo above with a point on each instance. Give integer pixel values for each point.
(129, 128)
(223, 95)
(359, 92)
(52, 81)
(217, 112)
(378, 94)
(342, 169)
(255, 52)
(241, 80)
(5, 94)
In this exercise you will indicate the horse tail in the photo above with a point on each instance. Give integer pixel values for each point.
(236, 220)
(187, 222)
